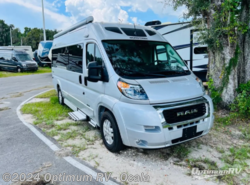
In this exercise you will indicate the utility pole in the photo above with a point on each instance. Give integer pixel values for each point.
(21, 41)
(10, 37)
(44, 32)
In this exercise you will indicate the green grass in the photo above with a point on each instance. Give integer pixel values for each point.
(46, 112)
(180, 151)
(69, 135)
(48, 94)
(4, 74)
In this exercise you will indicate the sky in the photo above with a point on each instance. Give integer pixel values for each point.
(60, 14)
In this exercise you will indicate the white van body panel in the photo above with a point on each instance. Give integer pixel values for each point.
(28, 49)
(137, 120)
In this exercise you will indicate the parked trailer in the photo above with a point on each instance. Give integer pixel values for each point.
(43, 52)
(184, 38)
(129, 81)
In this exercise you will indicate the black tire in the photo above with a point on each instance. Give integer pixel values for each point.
(18, 70)
(60, 96)
(117, 144)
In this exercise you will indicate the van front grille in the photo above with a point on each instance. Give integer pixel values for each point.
(184, 113)
(31, 65)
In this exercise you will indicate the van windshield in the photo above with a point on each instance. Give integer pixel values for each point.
(23, 57)
(144, 59)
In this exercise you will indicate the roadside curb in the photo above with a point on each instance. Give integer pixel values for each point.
(54, 147)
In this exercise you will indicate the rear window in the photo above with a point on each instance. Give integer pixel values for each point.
(134, 32)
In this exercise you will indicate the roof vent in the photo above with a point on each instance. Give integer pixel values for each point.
(134, 32)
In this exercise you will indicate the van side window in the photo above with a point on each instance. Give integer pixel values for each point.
(200, 50)
(98, 56)
(75, 58)
(93, 54)
(54, 56)
(61, 57)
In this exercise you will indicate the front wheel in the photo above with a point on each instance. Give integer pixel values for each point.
(60, 96)
(110, 133)
(18, 70)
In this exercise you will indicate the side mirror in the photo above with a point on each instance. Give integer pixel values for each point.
(14, 58)
(95, 72)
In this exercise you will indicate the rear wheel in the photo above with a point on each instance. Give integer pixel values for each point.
(110, 133)
(60, 96)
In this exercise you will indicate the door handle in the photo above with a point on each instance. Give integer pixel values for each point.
(86, 81)
(80, 79)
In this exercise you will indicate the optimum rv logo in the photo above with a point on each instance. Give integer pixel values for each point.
(183, 113)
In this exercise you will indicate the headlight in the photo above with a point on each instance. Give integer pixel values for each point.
(132, 91)
(24, 65)
(201, 83)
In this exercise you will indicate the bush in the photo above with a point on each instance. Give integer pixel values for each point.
(242, 101)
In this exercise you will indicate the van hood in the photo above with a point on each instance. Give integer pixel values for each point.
(171, 89)
(28, 62)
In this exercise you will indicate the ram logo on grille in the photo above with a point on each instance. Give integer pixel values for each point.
(183, 113)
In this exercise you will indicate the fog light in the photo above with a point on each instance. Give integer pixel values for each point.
(141, 142)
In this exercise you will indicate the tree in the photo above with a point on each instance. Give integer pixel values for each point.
(4, 34)
(30, 37)
(226, 26)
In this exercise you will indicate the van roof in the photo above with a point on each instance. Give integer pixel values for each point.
(107, 31)
(5, 50)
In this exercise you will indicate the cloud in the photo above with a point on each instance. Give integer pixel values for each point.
(103, 11)
(59, 21)
(112, 10)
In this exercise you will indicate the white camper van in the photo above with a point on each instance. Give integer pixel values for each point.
(184, 39)
(130, 82)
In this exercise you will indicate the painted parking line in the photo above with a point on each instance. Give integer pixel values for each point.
(55, 148)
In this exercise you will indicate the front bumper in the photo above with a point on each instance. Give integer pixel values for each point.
(30, 68)
(141, 126)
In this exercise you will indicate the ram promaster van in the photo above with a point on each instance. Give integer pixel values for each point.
(130, 82)
(16, 61)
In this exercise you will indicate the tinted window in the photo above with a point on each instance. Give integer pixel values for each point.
(90, 53)
(23, 57)
(75, 58)
(144, 59)
(200, 50)
(134, 32)
(114, 29)
(98, 56)
(150, 32)
(60, 57)
(93, 54)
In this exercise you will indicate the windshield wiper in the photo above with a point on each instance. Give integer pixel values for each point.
(141, 73)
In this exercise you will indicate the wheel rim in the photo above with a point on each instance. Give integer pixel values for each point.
(60, 96)
(108, 132)
(19, 70)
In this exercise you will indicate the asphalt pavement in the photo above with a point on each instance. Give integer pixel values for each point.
(21, 151)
